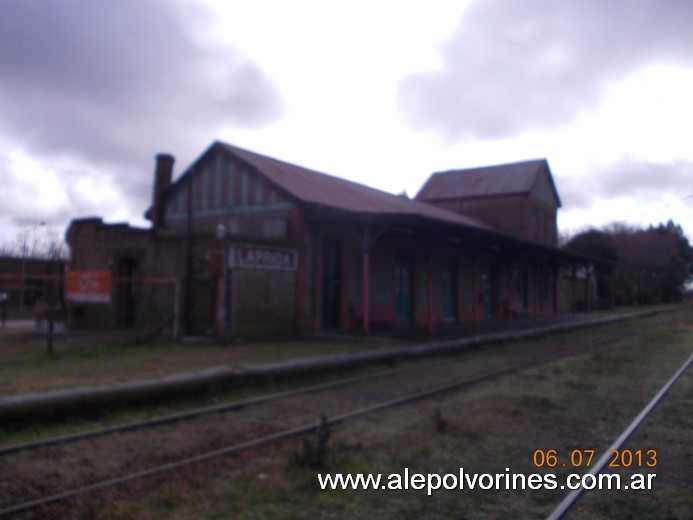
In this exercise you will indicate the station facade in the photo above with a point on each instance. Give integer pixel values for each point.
(246, 245)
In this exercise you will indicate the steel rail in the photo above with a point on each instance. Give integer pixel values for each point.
(289, 433)
(229, 406)
(598, 466)
(199, 412)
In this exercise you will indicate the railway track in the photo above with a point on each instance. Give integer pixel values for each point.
(232, 406)
(209, 433)
(569, 501)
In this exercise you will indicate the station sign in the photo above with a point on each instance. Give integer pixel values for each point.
(262, 257)
(89, 286)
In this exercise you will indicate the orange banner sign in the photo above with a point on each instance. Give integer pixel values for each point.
(89, 286)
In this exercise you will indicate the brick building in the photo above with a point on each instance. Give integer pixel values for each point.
(24, 279)
(519, 198)
(242, 244)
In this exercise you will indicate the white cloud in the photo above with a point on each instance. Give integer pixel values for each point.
(516, 66)
(601, 90)
(648, 115)
(30, 192)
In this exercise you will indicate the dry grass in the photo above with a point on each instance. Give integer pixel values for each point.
(99, 359)
(575, 403)
(88, 358)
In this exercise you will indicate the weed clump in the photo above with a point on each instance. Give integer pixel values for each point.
(314, 453)
(439, 423)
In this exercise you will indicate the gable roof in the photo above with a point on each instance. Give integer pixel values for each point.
(318, 189)
(312, 187)
(502, 179)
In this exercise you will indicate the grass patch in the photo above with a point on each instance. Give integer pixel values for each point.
(90, 358)
(575, 403)
(26, 367)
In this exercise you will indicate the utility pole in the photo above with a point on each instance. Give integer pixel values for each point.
(21, 285)
(50, 299)
(24, 261)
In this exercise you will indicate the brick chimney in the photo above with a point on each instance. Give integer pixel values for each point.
(163, 175)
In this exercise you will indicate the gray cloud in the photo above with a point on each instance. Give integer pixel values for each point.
(535, 64)
(573, 193)
(639, 180)
(112, 83)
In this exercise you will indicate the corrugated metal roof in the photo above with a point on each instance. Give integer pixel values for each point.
(502, 179)
(313, 187)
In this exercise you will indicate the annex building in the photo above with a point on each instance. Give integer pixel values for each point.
(245, 245)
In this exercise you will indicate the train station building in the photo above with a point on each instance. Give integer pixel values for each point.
(244, 245)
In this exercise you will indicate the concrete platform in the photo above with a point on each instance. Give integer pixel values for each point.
(85, 400)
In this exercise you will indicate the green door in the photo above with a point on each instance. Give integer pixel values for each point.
(450, 288)
(404, 287)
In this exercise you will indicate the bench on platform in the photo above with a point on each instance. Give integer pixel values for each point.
(516, 308)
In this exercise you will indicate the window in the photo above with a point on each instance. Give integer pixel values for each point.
(274, 227)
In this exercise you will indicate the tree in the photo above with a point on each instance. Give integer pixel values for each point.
(651, 265)
(599, 245)
(674, 268)
(45, 249)
(36, 241)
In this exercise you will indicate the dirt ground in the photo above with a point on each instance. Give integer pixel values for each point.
(577, 403)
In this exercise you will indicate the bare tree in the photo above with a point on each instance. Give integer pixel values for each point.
(36, 241)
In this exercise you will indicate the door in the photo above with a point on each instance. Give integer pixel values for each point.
(331, 283)
(450, 288)
(521, 285)
(126, 300)
(487, 292)
(404, 287)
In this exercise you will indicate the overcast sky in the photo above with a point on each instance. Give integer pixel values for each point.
(379, 92)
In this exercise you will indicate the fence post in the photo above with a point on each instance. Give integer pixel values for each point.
(176, 308)
(50, 299)
(3, 308)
